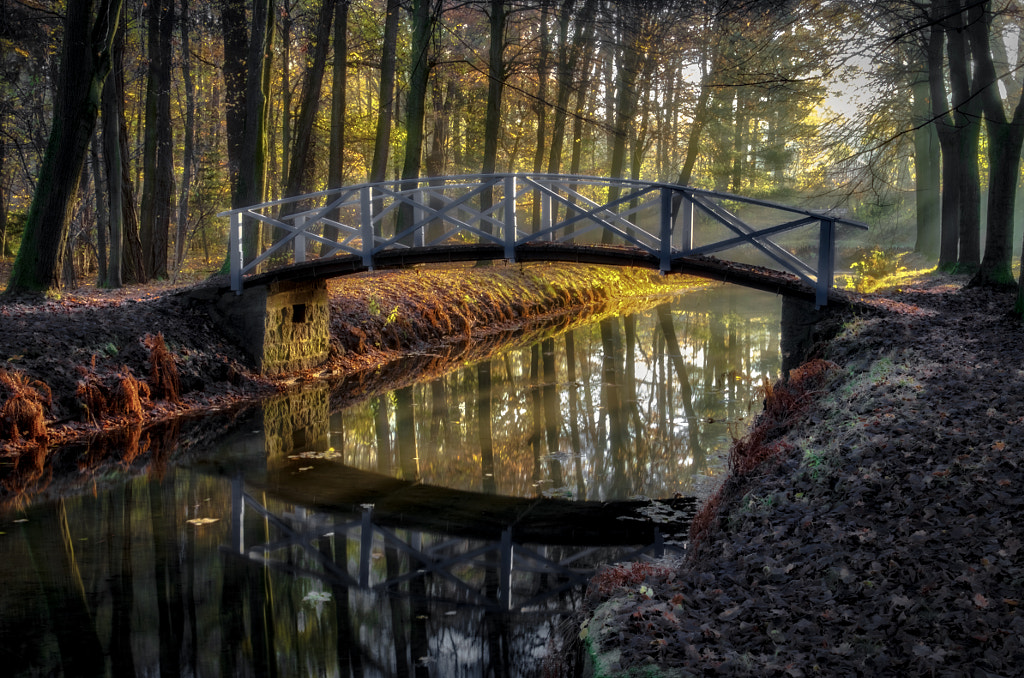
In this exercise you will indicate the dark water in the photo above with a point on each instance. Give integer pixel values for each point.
(417, 532)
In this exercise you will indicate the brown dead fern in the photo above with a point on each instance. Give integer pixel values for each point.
(23, 404)
(163, 371)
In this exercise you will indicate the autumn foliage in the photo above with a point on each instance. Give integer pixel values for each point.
(23, 403)
(163, 372)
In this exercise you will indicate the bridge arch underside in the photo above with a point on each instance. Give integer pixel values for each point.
(755, 277)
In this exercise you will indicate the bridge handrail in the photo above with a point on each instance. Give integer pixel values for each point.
(419, 203)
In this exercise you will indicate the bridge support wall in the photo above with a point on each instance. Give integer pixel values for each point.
(284, 326)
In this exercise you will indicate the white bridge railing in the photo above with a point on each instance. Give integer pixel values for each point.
(666, 221)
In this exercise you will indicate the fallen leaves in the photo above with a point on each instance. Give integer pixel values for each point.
(903, 558)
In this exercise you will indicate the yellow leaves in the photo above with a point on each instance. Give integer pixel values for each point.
(199, 522)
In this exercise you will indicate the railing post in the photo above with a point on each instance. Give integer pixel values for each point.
(235, 252)
(510, 217)
(686, 232)
(300, 238)
(366, 218)
(418, 215)
(545, 213)
(826, 261)
(666, 229)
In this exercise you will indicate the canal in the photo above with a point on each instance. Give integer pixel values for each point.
(444, 528)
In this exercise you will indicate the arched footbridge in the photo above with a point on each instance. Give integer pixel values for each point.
(532, 217)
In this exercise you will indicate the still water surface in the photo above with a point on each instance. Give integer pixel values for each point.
(419, 532)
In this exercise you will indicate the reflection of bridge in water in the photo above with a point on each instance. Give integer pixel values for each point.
(498, 553)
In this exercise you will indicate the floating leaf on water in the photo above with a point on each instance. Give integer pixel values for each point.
(317, 597)
(202, 521)
(305, 468)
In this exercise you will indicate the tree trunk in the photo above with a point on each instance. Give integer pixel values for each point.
(236, 47)
(112, 162)
(187, 160)
(1004, 149)
(253, 170)
(540, 105)
(339, 86)
(495, 85)
(158, 165)
(966, 115)
(301, 165)
(3, 201)
(85, 63)
(926, 170)
(422, 26)
(386, 99)
(102, 219)
(945, 128)
(630, 63)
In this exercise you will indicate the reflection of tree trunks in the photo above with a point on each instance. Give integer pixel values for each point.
(71, 621)
(551, 412)
(483, 420)
(399, 615)
(261, 621)
(536, 410)
(190, 592)
(632, 403)
(119, 549)
(675, 353)
(347, 643)
(611, 342)
(231, 613)
(418, 618)
(405, 435)
(438, 408)
(574, 414)
(382, 430)
(164, 519)
(660, 381)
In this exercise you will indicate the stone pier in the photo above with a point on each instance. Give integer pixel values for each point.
(284, 326)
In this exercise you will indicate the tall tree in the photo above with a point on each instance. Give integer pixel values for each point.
(247, 74)
(301, 166)
(386, 96)
(339, 88)
(1005, 138)
(89, 30)
(967, 120)
(424, 15)
(496, 21)
(157, 161)
(188, 159)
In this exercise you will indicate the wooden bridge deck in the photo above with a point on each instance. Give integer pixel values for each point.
(712, 268)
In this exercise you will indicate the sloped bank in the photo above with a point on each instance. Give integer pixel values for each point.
(881, 537)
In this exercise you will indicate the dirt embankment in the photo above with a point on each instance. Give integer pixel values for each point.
(873, 524)
(99, 360)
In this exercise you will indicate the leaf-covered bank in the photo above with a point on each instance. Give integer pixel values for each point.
(882, 537)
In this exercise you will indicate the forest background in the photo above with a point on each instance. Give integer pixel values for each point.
(126, 126)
